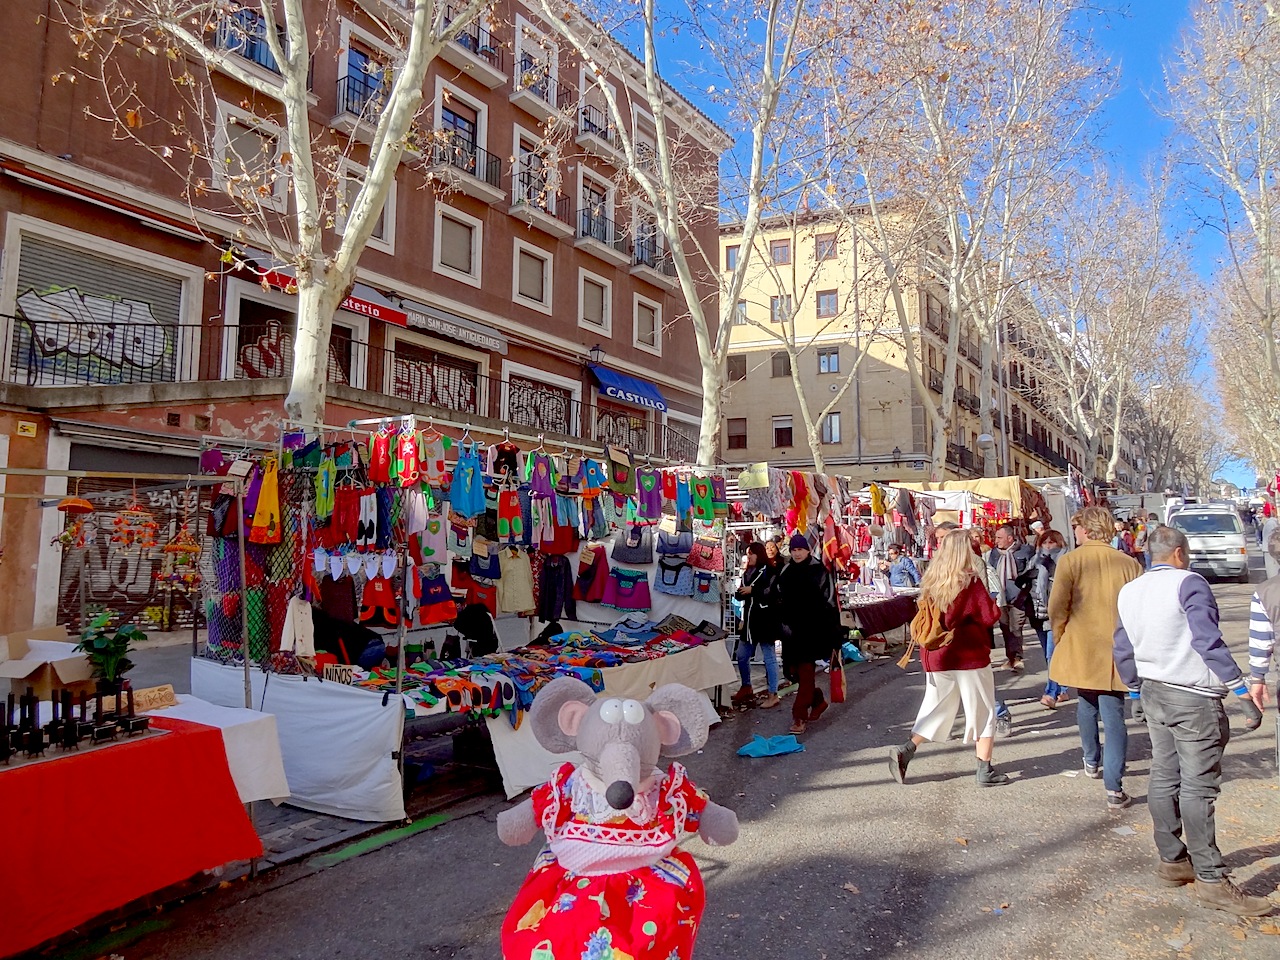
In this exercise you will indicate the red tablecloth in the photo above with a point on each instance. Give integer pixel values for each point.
(90, 832)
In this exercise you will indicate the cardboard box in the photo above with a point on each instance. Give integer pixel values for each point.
(46, 660)
(873, 647)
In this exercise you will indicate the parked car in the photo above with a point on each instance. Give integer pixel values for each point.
(1217, 539)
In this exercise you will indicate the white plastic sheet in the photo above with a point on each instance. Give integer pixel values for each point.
(337, 741)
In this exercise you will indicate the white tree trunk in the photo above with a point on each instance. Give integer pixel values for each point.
(317, 303)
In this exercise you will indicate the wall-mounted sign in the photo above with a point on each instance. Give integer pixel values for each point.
(27, 428)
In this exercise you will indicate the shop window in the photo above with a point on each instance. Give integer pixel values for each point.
(731, 257)
(737, 433)
(737, 367)
(780, 251)
(829, 360)
(824, 247)
(828, 303)
(782, 432)
(422, 376)
(780, 308)
(831, 427)
(780, 364)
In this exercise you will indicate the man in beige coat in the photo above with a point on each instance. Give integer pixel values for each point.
(1082, 609)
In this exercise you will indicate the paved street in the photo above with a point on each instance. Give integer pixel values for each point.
(835, 860)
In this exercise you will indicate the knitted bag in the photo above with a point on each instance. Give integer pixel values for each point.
(674, 577)
(634, 545)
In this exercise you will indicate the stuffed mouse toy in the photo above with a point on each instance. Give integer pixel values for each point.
(610, 883)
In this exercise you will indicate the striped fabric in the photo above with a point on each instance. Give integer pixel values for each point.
(1262, 639)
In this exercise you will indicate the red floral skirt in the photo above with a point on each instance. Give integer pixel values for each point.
(647, 914)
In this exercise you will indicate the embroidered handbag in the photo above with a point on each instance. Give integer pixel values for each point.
(634, 545)
(674, 577)
(675, 544)
(706, 586)
(707, 554)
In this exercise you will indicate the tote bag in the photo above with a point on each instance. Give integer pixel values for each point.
(706, 586)
(707, 554)
(675, 544)
(634, 545)
(674, 577)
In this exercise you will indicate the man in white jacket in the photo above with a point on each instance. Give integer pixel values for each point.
(1168, 646)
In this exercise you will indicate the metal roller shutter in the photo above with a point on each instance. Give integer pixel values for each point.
(86, 318)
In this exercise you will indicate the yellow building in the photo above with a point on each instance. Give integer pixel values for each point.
(815, 298)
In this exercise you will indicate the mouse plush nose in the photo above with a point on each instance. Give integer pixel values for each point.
(620, 795)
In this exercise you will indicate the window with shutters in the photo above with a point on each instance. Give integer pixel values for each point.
(247, 165)
(531, 277)
(595, 303)
(736, 433)
(782, 432)
(351, 180)
(458, 245)
(737, 367)
(831, 427)
(648, 326)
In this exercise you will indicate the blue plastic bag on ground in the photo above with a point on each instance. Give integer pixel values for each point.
(771, 746)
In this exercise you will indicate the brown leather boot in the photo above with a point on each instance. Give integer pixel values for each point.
(1225, 895)
(1176, 873)
(744, 696)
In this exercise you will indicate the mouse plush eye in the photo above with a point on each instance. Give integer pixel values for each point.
(611, 711)
(632, 712)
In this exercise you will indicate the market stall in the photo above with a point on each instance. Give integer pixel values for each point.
(394, 569)
(88, 832)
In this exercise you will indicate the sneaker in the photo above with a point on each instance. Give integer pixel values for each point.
(1118, 800)
(1004, 728)
(1091, 771)
(1225, 895)
(899, 757)
(1176, 873)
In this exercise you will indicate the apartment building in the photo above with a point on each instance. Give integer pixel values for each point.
(808, 272)
(506, 284)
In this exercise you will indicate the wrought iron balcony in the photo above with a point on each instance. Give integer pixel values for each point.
(462, 154)
(595, 228)
(477, 40)
(360, 95)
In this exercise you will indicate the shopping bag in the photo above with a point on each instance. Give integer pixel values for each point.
(837, 678)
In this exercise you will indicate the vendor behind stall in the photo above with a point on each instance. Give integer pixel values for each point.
(900, 568)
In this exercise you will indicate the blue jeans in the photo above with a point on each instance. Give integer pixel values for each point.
(1110, 706)
(745, 646)
(1002, 711)
(1051, 688)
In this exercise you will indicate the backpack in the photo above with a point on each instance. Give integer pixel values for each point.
(927, 630)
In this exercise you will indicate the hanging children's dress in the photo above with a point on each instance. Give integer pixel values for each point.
(649, 493)
(703, 503)
(432, 452)
(380, 457)
(406, 466)
(466, 493)
(266, 514)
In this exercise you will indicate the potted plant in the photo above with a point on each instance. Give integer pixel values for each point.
(108, 650)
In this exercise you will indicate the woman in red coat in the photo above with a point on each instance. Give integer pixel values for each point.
(958, 673)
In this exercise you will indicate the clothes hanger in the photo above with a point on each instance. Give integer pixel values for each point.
(466, 434)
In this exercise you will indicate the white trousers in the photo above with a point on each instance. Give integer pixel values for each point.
(945, 692)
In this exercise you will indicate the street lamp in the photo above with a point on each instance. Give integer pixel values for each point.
(596, 354)
(897, 456)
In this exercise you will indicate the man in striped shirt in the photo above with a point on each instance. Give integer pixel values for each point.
(1264, 614)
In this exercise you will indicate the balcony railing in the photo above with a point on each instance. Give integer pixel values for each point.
(460, 153)
(935, 380)
(594, 122)
(81, 354)
(529, 186)
(535, 77)
(478, 40)
(360, 95)
(595, 226)
(651, 252)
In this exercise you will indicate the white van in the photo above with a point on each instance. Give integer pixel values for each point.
(1216, 538)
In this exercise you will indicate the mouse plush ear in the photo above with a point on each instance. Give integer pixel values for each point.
(681, 714)
(557, 711)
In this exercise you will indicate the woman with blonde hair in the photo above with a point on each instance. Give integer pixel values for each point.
(958, 671)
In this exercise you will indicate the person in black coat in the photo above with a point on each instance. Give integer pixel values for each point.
(761, 625)
(811, 617)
